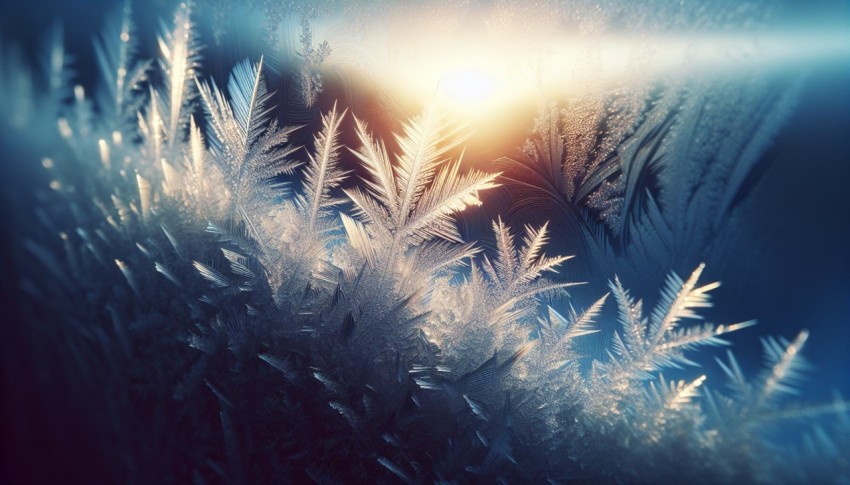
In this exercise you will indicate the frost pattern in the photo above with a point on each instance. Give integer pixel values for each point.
(221, 329)
(311, 57)
(636, 176)
(250, 148)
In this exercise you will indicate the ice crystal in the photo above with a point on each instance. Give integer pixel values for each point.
(644, 174)
(303, 229)
(122, 72)
(410, 205)
(180, 58)
(311, 57)
(251, 150)
(650, 344)
(202, 323)
(498, 304)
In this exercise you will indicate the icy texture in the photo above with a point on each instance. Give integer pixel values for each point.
(635, 177)
(311, 57)
(407, 208)
(215, 328)
(250, 149)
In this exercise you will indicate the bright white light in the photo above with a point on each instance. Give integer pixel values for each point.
(469, 86)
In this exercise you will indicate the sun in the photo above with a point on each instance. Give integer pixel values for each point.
(469, 86)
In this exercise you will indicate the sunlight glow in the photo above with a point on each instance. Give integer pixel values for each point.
(488, 76)
(469, 86)
(485, 70)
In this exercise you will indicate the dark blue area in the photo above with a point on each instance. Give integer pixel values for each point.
(804, 197)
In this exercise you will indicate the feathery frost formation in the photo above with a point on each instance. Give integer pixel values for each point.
(213, 324)
(649, 182)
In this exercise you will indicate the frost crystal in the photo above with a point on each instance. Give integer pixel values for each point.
(205, 322)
